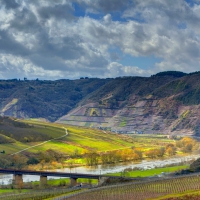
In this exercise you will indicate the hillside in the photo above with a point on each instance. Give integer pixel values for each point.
(164, 103)
(33, 137)
(13, 130)
(167, 102)
(44, 99)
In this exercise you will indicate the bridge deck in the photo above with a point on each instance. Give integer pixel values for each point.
(47, 173)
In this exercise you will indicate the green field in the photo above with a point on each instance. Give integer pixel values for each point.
(4, 191)
(150, 172)
(64, 182)
(79, 138)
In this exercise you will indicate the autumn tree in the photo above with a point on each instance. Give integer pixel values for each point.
(186, 144)
(150, 153)
(170, 151)
(19, 161)
(92, 158)
(126, 154)
(153, 153)
(110, 157)
(137, 155)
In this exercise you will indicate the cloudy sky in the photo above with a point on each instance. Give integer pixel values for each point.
(54, 39)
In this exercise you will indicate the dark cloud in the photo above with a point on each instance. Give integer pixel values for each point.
(10, 4)
(57, 11)
(25, 20)
(48, 62)
(51, 56)
(106, 6)
(10, 46)
(111, 5)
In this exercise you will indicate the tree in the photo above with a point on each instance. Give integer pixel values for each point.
(19, 161)
(32, 161)
(76, 153)
(5, 162)
(150, 153)
(171, 151)
(186, 144)
(92, 158)
(161, 152)
(195, 166)
(153, 153)
(110, 157)
(137, 155)
(187, 148)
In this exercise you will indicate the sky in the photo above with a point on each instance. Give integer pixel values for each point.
(69, 39)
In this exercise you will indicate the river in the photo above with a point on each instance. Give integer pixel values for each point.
(111, 168)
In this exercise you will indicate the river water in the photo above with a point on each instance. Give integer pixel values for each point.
(103, 169)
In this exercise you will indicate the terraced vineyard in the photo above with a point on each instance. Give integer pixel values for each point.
(16, 135)
(159, 189)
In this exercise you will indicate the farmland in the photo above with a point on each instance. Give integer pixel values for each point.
(158, 189)
(44, 145)
(79, 138)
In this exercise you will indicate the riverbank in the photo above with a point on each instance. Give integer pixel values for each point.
(150, 172)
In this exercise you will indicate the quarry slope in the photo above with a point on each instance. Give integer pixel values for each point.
(163, 103)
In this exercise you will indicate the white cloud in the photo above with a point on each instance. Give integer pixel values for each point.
(45, 38)
(115, 69)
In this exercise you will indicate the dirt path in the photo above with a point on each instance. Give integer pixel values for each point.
(66, 133)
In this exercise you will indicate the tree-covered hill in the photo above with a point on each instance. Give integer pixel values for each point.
(44, 99)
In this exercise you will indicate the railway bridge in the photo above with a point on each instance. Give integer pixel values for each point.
(18, 176)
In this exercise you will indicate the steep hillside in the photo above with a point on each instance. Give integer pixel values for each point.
(12, 131)
(164, 103)
(32, 136)
(168, 102)
(44, 99)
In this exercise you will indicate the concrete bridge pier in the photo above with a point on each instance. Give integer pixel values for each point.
(18, 180)
(102, 180)
(43, 181)
(73, 181)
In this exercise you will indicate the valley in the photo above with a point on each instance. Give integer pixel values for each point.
(39, 145)
(42, 145)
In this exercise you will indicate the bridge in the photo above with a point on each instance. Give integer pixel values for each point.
(18, 176)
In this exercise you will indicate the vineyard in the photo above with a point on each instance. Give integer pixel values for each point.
(39, 194)
(140, 191)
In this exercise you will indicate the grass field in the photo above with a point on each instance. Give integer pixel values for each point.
(3, 191)
(79, 138)
(10, 148)
(150, 172)
(65, 182)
